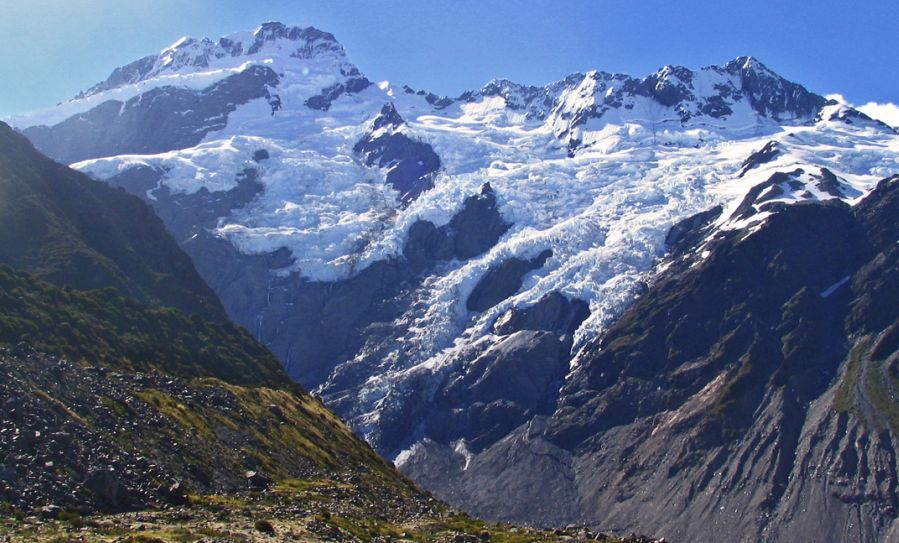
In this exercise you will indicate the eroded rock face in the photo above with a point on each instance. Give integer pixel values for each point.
(188, 215)
(552, 313)
(771, 94)
(492, 386)
(763, 156)
(688, 233)
(471, 231)
(784, 188)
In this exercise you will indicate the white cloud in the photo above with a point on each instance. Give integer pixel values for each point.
(887, 112)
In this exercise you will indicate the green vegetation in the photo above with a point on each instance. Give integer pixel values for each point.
(73, 518)
(101, 326)
(179, 413)
(737, 383)
(302, 423)
(844, 398)
(876, 389)
(70, 230)
(867, 380)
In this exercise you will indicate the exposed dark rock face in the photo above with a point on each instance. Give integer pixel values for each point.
(439, 102)
(159, 120)
(854, 116)
(765, 196)
(471, 231)
(497, 383)
(668, 87)
(124, 75)
(411, 164)
(187, 215)
(503, 387)
(779, 184)
(687, 234)
(552, 313)
(775, 276)
(747, 395)
(763, 156)
(354, 83)
(502, 281)
(315, 41)
(828, 183)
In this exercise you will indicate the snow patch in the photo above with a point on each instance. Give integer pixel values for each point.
(826, 293)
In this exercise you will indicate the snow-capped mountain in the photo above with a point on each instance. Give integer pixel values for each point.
(433, 266)
(187, 57)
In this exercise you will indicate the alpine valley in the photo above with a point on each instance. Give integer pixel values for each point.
(665, 305)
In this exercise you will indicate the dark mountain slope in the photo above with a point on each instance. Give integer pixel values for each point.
(752, 310)
(71, 230)
(749, 394)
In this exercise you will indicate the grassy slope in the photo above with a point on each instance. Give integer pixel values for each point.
(101, 326)
(71, 230)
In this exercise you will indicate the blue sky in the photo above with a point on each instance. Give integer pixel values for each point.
(51, 49)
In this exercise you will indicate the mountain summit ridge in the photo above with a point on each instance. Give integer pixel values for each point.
(204, 53)
(709, 95)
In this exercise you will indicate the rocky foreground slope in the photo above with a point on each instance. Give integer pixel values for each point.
(200, 460)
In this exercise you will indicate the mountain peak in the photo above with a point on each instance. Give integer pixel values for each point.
(747, 64)
(388, 117)
(770, 93)
(187, 54)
